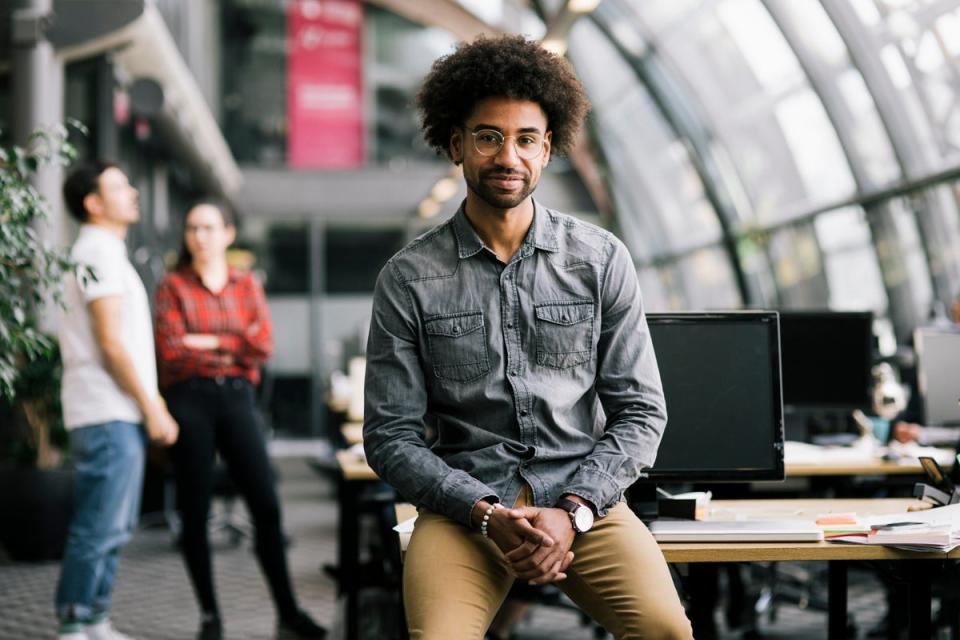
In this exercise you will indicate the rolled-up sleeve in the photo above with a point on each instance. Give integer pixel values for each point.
(629, 388)
(395, 403)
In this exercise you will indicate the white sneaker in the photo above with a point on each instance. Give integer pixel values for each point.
(103, 630)
(73, 635)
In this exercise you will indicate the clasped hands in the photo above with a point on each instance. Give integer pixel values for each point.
(536, 542)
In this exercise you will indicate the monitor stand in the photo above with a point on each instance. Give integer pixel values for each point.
(650, 502)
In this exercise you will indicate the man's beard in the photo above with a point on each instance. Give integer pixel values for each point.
(497, 199)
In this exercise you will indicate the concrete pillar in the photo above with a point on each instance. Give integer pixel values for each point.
(37, 80)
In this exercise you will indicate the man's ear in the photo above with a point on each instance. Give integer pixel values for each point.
(456, 146)
(93, 205)
(547, 141)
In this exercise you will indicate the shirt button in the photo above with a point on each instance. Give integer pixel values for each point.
(219, 380)
(509, 325)
(523, 412)
(456, 329)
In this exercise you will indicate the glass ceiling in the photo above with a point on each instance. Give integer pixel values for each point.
(791, 153)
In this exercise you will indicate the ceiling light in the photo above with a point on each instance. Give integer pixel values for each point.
(557, 46)
(428, 208)
(582, 6)
(445, 189)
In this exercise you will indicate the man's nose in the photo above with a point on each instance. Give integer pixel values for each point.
(507, 156)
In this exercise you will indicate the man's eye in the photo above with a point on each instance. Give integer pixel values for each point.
(527, 141)
(488, 137)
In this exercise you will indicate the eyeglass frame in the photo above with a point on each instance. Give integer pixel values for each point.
(503, 141)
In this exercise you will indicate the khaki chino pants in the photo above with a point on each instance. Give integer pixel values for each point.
(455, 580)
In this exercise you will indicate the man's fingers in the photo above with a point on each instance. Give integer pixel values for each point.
(534, 564)
(522, 552)
(554, 575)
(566, 561)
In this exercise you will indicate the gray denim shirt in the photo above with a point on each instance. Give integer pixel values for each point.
(540, 370)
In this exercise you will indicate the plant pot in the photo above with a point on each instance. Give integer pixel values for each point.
(35, 510)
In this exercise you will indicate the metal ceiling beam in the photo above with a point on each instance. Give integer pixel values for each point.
(442, 14)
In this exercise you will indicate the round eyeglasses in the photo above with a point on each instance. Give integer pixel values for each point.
(489, 142)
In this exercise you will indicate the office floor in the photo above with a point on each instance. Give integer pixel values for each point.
(154, 601)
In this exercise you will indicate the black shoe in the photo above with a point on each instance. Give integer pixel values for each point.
(300, 627)
(210, 629)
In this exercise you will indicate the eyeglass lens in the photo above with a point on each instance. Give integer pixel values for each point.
(488, 142)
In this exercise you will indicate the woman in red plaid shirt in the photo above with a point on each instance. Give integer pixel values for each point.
(213, 332)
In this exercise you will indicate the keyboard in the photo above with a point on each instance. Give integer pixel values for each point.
(735, 531)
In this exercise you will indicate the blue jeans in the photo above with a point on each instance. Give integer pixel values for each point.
(109, 461)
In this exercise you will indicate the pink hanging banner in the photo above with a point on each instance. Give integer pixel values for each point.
(324, 84)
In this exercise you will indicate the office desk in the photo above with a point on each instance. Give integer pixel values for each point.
(803, 460)
(878, 467)
(360, 491)
(837, 555)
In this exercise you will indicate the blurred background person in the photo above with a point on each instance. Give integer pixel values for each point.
(213, 332)
(109, 396)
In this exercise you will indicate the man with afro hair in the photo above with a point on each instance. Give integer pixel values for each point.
(518, 335)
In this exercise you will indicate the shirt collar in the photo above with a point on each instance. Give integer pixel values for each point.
(103, 235)
(541, 234)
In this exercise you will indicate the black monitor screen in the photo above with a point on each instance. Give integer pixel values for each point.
(826, 358)
(721, 380)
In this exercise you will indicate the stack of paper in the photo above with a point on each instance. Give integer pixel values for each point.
(930, 530)
(841, 524)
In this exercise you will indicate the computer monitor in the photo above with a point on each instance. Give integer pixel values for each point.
(826, 358)
(938, 358)
(721, 380)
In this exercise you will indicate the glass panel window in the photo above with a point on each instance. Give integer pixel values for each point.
(798, 268)
(652, 174)
(853, 273)
(655, 295)
(735, 61)
(916, 262)
(925, 56)
(813, 142)
(709, 281)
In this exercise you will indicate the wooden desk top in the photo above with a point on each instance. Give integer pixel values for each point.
(876, 467)
(792, 551)
(352, 432)
(778, 551)
(353, 467)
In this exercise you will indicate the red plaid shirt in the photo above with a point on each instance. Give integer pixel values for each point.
(237, 315)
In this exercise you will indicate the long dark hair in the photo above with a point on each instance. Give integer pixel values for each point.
(228, 215)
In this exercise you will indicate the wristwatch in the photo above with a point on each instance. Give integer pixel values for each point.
(581, 516)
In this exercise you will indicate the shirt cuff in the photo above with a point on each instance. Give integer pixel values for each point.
(466, 498)
(598, 488)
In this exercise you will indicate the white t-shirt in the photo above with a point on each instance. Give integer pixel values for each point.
(89, 394)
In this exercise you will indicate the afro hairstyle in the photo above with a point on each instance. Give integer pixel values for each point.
(509, 66)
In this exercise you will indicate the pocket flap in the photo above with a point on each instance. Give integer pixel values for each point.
(455, 325)
(565, 313)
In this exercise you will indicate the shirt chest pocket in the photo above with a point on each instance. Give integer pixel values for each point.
(458, 346)
(564, 334)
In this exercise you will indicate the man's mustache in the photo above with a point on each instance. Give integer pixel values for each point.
(504, 175)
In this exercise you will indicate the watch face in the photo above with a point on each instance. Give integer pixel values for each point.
(583, 519)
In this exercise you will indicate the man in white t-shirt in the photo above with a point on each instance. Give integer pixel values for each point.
(110, 399)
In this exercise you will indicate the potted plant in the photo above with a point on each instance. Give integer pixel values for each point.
(36, 499)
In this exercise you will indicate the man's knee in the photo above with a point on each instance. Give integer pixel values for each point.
(669, 626)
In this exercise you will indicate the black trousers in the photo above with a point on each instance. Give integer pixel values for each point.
(219, 415)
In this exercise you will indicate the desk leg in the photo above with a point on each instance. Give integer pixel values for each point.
(837, 593)
(348, 548)
(920, 576)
